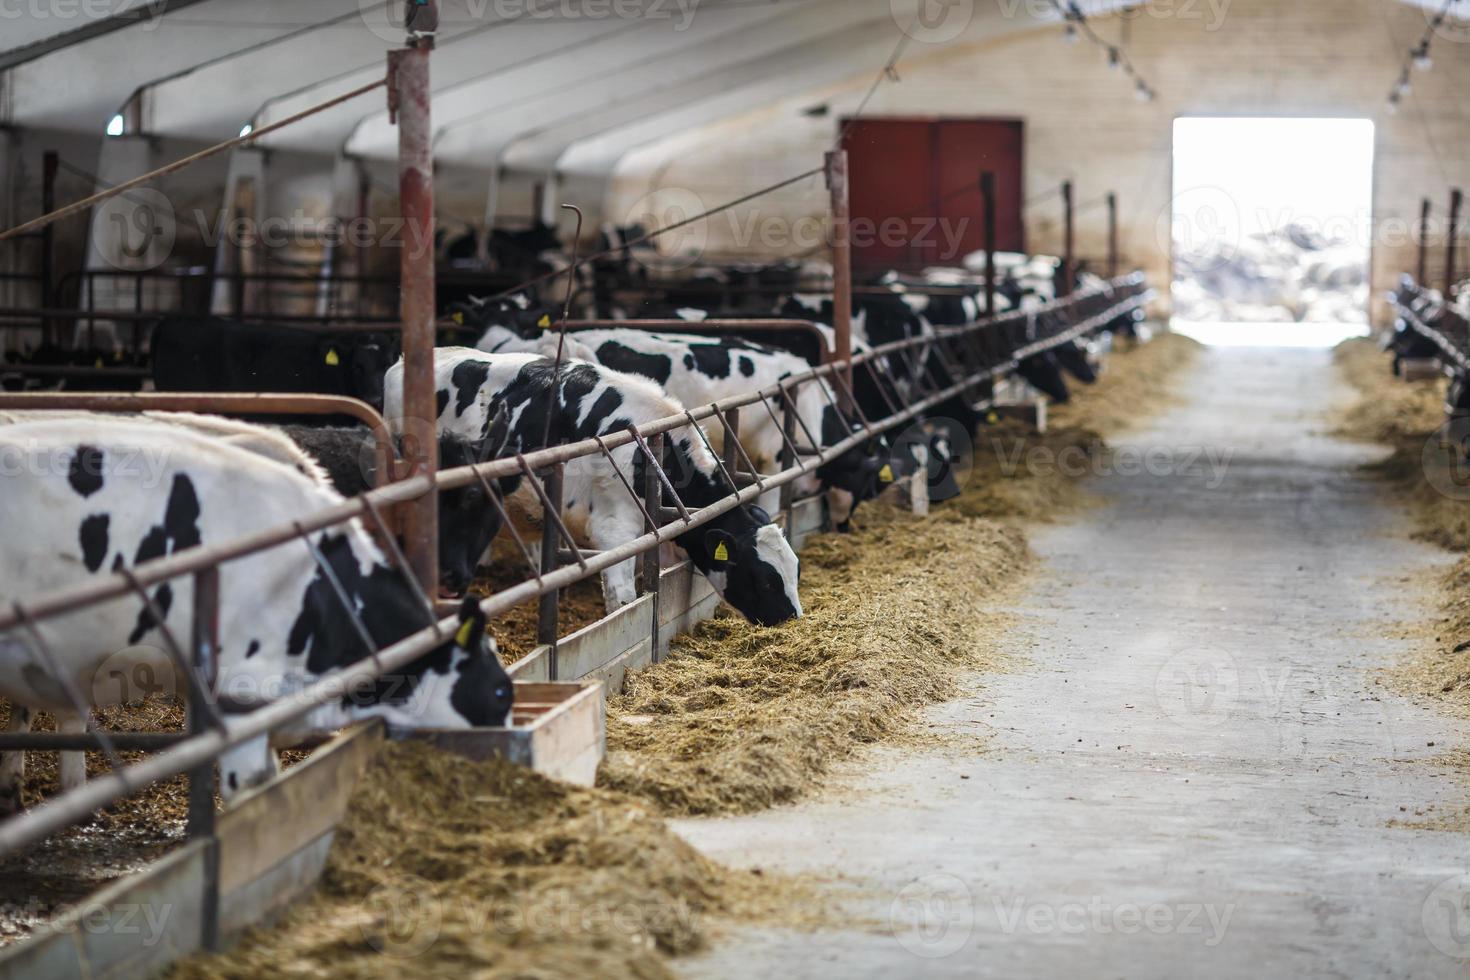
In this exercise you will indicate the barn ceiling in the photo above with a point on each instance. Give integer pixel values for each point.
(525, 85)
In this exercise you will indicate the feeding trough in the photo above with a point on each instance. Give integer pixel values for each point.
(557, 728)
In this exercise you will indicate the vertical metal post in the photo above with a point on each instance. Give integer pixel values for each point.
(1112, 235)
(1421, 270)
(987, 197)
(364, 207)
(841, 263)
(1065, 286)
(538, 201)
(650, 564)
(788, 460)
(547, 627)
(50, 161)
(409, 101)
(1456, 199)
(732, 437)
(204, 647)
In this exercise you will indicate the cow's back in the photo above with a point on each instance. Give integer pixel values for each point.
(84, 499)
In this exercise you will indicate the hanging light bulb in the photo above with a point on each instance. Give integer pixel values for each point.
(246, 129)
(1404, 86)
(1142, 92)
(115, 125)
(1422, 61)
(1069, 33)
(1393, 104)
(1114, 62)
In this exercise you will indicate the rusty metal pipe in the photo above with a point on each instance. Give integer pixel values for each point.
(410, 103)
(1422, 267)
(713, 325)
(841, 261)
(1456, 199)
(113, 586)
(201, 749)
(224, 404)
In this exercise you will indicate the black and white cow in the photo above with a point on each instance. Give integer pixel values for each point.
(102, 495)
(344, 458)
(699, 370)
(744, 556)
(879, 320)
(468, 522)
(216, 354)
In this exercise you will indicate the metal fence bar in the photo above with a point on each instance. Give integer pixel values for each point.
(203, 748)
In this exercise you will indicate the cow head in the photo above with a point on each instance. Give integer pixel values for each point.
(463, 684)
(368, 362)
(519, 315)
(861, 473)
(468, 520)
(459, 683)
(1042, 372)
(750, 564)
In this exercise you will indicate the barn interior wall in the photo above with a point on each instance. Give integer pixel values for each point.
(1233, 57)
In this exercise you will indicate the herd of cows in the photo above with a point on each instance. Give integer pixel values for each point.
(87, 495)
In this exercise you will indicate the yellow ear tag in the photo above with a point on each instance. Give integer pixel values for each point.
(332, 359)
(992, 418)
(722, 553)
(458, 317)
(545, 322)
(99, 362)
(885, 475)
(462, 638)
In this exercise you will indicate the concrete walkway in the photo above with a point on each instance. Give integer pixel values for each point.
(1195, 775)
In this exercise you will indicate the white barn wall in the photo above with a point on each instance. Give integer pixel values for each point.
(1239, 57)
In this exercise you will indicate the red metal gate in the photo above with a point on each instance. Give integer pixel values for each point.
(915, 186)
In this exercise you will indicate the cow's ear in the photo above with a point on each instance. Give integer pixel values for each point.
(471, 633)
(721, 548)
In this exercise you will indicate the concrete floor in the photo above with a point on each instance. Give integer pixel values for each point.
(1195, 774)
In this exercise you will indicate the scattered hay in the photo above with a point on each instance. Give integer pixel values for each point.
(449, 867)
(1018, 473)
(739, 718)
(1439, 665)
(120, 839)
(515, 629)
(1139, 382)
(1404, 415)
(1388, 409)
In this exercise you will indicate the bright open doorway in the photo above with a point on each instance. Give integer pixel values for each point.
(1270, 229)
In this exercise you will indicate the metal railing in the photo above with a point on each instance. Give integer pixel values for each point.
(974, 354)
(1428, 314)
